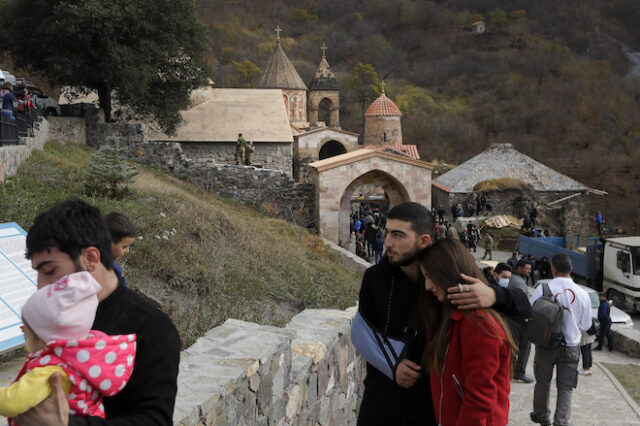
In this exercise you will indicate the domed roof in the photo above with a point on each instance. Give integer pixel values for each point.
(383, 106)
(324, 78)
(280, 72)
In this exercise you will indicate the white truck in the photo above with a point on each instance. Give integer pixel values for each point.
(621, 272)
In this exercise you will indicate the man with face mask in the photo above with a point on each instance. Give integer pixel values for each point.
(389, 303)
(502, 274)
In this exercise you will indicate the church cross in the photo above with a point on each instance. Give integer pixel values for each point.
(324, 50)
(382, 85)
(278, 30)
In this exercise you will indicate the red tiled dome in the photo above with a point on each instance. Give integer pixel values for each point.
(383, 106)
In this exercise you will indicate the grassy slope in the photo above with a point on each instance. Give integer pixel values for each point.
(202, 257)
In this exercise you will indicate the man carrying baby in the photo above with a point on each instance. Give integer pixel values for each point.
(72, 237)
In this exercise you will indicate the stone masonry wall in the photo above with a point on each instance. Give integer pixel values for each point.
(269, 155)
(68, 129)
(11, 156)
(269, 190)
(241, 373)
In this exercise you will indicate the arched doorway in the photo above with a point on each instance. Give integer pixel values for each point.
(394, 191)
(331, 149)
(324, 111)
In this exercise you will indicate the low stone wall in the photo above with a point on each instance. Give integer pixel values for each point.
(68, 129)
(270, 155)
(241, 373)
(11, 156)
(271, 191)
(626, 339)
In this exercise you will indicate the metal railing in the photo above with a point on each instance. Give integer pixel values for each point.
(8, 131)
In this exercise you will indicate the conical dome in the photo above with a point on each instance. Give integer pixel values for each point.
(324, 78)
(280, 73)
(383, 106)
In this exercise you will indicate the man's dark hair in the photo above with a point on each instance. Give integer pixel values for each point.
(501, 267)
(119, 227)
(522, 263)
(562, 263)
(70, 226)
(414, 213)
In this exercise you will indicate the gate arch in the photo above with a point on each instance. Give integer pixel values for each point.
(336, 179)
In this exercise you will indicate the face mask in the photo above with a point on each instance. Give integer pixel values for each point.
(503, 282)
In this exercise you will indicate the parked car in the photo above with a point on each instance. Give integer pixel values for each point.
(618, 316)
(45, 103)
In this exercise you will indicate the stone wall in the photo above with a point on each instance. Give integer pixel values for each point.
(241, 373)
(269, 190)
(11, 156)
(571, 215)
(383, 130)
(68, 129)
(270, 155)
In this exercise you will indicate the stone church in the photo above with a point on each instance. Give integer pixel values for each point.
(292, 124)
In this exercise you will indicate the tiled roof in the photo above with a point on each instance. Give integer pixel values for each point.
(503, 161)
(383, 106)
(410, 151)
(280, 73)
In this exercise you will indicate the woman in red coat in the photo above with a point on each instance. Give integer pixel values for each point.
(468, 353)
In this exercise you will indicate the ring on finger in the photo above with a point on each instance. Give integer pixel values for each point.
(468, 287)
(460, 287)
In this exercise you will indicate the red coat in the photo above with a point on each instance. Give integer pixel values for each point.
(481, 363)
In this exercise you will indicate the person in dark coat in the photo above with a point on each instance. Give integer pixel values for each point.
(604, 317)
(370, 238)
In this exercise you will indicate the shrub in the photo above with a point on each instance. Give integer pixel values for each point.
(108, 173)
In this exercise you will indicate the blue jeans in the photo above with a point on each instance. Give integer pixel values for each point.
(8, 114)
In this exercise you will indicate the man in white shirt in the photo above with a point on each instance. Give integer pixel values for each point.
(577, 316)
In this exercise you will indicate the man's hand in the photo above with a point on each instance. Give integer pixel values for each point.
(474, 295)
(53, 411)
(407, 373)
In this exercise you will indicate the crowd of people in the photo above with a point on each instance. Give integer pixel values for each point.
(433, 327)
(442, 339)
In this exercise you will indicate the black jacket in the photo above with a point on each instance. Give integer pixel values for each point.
(149, 397)
(387, 300)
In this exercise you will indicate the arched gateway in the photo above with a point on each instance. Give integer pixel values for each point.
(336, 179)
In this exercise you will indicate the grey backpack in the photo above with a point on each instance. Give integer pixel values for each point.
(545, 324)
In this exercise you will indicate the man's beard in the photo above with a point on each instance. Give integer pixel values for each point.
(406, 259)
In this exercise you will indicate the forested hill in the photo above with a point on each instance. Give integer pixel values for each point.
(548, 76)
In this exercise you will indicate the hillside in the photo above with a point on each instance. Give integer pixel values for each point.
(201, 257)
(552, 77)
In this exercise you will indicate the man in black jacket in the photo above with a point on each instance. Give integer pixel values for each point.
(72, 237)
(389, 297)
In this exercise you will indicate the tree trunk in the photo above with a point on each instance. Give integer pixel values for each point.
(104, 96)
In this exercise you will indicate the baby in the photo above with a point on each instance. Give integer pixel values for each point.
(57, 328)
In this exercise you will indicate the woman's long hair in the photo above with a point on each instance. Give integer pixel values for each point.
(443, 262)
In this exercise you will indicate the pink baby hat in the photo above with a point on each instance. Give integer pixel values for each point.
(65, 309)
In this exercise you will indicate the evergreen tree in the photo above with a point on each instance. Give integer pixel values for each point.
(148, 54)
(108, 173)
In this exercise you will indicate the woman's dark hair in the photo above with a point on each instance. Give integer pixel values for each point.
(70, 226)
(119, 227)
(443, 262)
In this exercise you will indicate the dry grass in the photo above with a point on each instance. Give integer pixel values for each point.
(498, 184)
(628, 376)
(203, 258)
